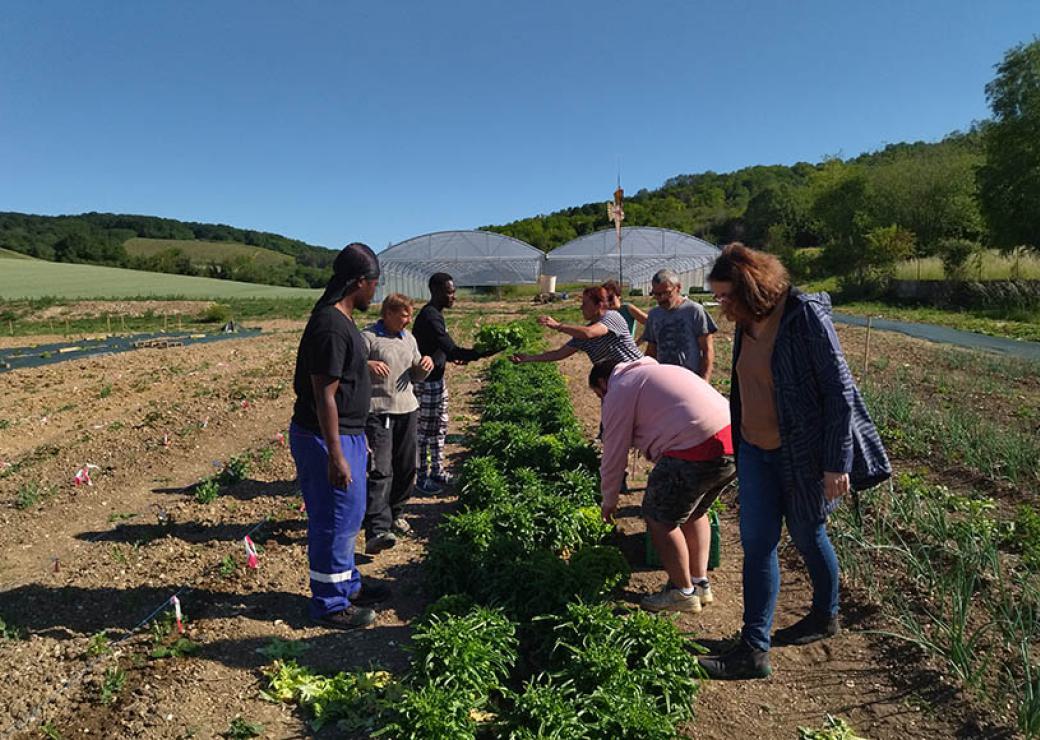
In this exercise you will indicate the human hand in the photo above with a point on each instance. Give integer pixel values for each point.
(460, 362)
(518, 358)
(607, 511)
(835, 485)
(379, 369)
(339, 472)
(426, 363)
(549, 322)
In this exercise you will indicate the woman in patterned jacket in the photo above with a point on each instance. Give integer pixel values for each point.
(803, 439)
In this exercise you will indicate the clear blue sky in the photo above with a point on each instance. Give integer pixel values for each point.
(339, 121)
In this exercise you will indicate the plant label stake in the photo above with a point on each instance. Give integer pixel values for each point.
(82, 477)
(251, 559)
(177, 614)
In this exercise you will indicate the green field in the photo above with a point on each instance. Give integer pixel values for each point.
(11, 255)
(205, 253)
(992, 266)
(40, 279)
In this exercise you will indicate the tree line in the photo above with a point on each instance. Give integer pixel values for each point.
(98, 238)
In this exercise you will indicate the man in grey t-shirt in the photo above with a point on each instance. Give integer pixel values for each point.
(678, 331)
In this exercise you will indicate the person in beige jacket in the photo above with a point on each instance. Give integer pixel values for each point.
(395, 363)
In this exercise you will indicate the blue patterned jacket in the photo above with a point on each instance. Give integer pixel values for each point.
(824, 424)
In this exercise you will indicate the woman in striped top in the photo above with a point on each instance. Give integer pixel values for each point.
(605, 337)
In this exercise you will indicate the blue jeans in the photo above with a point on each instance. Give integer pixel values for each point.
(761, 512)
(334, 517)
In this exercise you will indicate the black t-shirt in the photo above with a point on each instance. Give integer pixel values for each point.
(432, 337)
(333, 346)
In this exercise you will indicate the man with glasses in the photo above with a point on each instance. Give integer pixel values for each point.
(679, 331)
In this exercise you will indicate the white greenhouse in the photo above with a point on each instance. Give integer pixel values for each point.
(594, 258)
(473, 258)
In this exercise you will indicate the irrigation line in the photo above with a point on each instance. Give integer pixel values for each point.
(35, 714)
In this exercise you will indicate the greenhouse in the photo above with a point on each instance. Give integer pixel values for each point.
(594, 258)
(473, 258)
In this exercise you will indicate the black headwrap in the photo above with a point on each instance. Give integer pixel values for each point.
(355, 262)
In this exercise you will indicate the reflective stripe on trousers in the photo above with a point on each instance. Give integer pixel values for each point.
(334, 517)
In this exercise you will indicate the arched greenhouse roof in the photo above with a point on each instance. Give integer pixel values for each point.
(473, 258)
(644, 250)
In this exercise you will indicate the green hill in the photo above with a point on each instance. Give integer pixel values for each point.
(101, 239)
(21, 279)
(12, 255)
(204, 252)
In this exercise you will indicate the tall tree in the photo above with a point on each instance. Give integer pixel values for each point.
(1009, 182)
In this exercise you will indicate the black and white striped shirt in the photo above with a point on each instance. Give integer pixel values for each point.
(617, 344)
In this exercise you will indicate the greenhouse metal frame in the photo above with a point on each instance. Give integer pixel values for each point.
(473, 258)
(645, 250)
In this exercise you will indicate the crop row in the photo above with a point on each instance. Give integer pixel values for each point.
(523, 640)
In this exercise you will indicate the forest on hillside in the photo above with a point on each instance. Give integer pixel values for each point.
(98, 238)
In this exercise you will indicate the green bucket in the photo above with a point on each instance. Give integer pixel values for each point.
(714, 550)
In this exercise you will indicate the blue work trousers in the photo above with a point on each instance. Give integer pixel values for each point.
(334, 517)
(761, 516)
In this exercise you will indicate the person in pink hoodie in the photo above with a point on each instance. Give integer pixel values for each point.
(682, 424)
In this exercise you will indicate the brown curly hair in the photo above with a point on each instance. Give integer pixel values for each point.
(759, 281)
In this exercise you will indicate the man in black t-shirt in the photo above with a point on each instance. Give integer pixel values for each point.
(434, 340)
(327, 437)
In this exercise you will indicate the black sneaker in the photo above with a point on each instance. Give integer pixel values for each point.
(372, 592)
(443, 480)
(810, 628)
(382, 541)
(351, 618)
(741, 662)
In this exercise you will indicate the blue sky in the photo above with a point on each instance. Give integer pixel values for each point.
(340, 121)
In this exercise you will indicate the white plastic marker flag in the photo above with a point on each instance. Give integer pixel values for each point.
(82, 477)
(251, 559)
(177, 614)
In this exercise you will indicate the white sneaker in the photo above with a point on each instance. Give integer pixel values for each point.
(671, 599)
(704, 594)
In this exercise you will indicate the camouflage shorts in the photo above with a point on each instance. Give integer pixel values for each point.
(679, 490)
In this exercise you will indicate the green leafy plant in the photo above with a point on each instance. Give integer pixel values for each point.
(112, 684)
(228, 566)
(236, 470)
(9, 631)
(31, 493)
(354, 701)
(99, 644)
(499, 337)
(471, 654)
(278, 649)
(207, 490)
(242, 729)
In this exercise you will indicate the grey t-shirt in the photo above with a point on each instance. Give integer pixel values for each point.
(675, 332)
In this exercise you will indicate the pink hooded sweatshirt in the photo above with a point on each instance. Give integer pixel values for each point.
(656, 409)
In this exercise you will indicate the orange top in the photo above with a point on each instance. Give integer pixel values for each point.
(758, 422)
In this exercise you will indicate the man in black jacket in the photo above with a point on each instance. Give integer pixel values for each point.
(434, 341)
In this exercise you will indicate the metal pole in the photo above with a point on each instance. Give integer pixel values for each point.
(866, 351)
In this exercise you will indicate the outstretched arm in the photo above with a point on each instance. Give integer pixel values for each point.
(560, 353)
